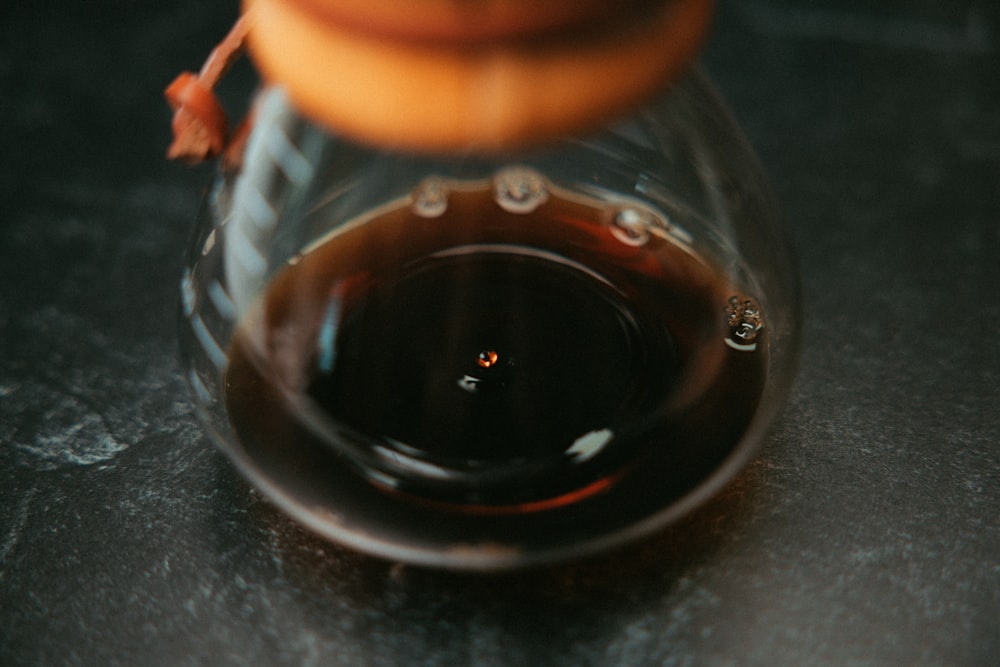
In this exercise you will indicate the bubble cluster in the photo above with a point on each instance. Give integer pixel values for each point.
(745, 322)
(519, 190)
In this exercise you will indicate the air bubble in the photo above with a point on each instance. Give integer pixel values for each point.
(431, 198)
(745, 323)
(631, 226)
(520, 190)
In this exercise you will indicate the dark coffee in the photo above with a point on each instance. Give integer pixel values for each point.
(477, 357)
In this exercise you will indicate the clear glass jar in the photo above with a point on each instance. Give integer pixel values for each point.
(484, 362)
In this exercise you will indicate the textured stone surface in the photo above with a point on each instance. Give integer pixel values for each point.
(867, 531)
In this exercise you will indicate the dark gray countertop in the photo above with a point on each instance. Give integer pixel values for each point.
(866, 531)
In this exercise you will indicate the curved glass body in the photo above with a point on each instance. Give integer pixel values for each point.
(486, 362)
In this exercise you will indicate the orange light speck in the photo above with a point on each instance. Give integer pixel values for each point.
(487, 358)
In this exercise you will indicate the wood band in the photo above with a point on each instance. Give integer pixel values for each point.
(428, 95)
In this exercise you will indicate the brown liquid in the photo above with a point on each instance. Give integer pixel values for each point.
(491, 362)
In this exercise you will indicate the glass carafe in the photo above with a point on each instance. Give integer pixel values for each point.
(484, 360)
